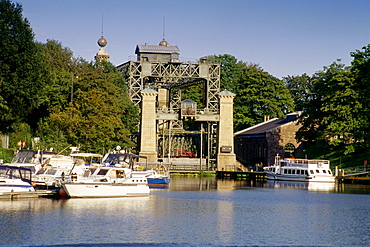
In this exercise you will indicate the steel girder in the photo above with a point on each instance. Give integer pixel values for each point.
(174, 77)
(142, 74)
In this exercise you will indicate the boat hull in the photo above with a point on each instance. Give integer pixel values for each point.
(105, 190)
(158, 182)
(15, 179)
(16, 185)
(281, 177)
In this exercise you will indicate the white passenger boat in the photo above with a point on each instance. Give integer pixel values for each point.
(106, 182)
(305, 170)
(15, 179)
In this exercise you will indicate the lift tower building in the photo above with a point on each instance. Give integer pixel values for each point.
(155, 80)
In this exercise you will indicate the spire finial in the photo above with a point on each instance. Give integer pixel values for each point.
(164, 23)
(163, 42)
(102, 42)
(102, 25)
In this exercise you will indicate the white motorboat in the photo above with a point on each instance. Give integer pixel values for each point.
(15, 179)
(30, 159)
(106, 182)
(156, 177)
(305, 170)
(56, 167)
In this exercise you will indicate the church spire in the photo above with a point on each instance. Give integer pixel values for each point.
(163, 42)
(102, 54)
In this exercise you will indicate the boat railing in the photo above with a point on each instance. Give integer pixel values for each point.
(159, 167)
(305, 161)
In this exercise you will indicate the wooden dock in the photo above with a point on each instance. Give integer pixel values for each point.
(240, 174)
(25, 194)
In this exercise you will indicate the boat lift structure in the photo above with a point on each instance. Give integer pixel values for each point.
(155, 81)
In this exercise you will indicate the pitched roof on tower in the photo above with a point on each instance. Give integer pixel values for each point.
(156, 49)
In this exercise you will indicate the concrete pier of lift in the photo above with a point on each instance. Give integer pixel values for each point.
(226, 159)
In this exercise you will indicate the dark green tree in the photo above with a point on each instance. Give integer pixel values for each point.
(230, 70)
(94, 117)
(60, 70)
(332, 115)
(259, 94)
(361, 71)
(299, 88)
(20, 68)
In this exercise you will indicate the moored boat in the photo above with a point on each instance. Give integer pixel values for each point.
(30, 159)
(56, 167)
(15, 179)
(106, 182)
(156, 177)
(158, 181)
(305, 170)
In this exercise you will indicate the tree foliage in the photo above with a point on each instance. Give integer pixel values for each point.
(258, 93)
(20, 69)
(94, 119)
(299, 88)
(361, 71)
(337, 110)
(45, 91)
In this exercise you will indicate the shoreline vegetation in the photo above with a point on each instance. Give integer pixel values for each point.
(337, 158)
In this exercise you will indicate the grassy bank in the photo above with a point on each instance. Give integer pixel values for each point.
(337, 157)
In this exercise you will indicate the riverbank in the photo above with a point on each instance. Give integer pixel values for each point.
(337, 157)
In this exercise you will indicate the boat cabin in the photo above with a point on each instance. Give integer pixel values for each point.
(13, 172)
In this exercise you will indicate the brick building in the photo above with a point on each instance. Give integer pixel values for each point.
(258, 145)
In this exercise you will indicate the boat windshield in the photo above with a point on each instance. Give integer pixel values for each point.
(13, 172)
(114, 159)
(102, 172)
(28, 156)
(4, 172)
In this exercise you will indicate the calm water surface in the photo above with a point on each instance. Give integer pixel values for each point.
(197, 212)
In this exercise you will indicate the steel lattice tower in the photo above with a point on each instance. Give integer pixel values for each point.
(164, 73)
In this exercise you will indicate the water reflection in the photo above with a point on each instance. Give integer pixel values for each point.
(197, 212)
(179, 183)
(313, 186)
(209, 183)
(105, 204)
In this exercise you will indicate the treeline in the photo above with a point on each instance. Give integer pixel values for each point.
(335, 103)
(48, 93)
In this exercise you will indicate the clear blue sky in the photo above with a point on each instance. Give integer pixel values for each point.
(285, 37)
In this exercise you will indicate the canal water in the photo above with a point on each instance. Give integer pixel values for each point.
(197, 212)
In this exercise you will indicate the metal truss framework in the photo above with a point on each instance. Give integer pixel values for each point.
(170, 75)
(174, 76)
